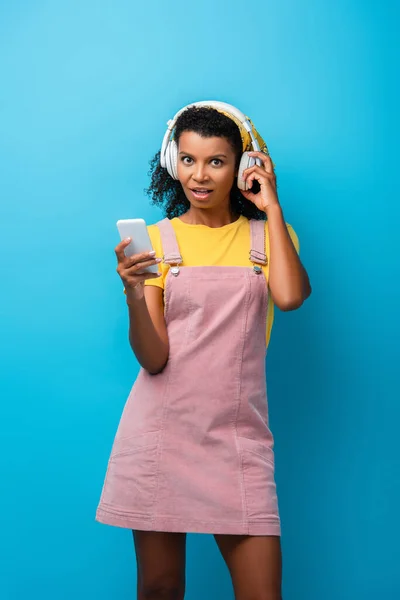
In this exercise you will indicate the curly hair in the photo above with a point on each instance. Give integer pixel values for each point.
(168, 193)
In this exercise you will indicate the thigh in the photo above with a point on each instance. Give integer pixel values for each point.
(255, 565)
(160, 559)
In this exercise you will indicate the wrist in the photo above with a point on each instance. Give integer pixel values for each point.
(134, 294)
(273, 209)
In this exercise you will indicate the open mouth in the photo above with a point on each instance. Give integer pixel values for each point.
(200, 193)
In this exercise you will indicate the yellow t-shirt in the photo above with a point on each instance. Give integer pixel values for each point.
(226, 246)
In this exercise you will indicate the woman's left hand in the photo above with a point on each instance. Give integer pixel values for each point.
(265, 175)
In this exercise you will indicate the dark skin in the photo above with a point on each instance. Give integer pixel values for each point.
(254, 562)
(210, 162)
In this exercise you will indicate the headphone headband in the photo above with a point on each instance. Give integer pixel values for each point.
(223, 107)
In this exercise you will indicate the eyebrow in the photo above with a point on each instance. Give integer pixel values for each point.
(212, 156)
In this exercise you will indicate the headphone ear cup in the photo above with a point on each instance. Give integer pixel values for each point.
(171, 157)
(245, 163)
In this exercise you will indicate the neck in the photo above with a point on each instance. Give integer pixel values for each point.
(218, 217)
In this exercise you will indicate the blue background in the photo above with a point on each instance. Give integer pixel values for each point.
(86, 90)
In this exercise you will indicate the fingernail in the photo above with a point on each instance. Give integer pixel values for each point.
(158, 260)
(152, 253)
(128, 239)
(159, 273)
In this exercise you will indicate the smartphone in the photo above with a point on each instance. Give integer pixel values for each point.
(136, 229)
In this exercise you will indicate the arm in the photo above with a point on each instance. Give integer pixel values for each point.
(288, 279)
(147, 329)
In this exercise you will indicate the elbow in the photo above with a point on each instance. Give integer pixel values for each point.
(151, 362)
(288, 305)
(292, 302)
(294, 297)
(157, 367)
(155, 370)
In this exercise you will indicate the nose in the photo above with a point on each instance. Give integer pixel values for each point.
(199, 172)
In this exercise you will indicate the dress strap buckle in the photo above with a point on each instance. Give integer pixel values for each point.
(172, 255)
(257, 249)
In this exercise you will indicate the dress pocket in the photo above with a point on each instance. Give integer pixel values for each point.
(132, 471)
(259, 480)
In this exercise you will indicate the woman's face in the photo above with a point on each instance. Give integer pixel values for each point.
(206, 169)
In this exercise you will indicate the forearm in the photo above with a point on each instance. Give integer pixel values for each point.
(150, 349)
(288, 280)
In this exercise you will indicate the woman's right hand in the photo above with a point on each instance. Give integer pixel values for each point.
(128, 268)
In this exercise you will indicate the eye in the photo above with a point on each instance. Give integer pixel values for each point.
(218, 161)
(185, 160)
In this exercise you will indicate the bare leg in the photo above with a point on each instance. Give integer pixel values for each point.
(255, 565)
(160, 559)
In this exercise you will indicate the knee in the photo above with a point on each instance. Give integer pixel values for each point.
(162, 590)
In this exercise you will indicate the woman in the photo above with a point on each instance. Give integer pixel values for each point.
(193, 451)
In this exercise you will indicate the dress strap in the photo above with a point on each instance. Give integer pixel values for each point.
(257, 247)
(172, 255)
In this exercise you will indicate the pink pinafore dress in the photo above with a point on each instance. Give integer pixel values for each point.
(193, 451)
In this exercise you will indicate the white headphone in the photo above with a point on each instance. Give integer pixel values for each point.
(169, 148)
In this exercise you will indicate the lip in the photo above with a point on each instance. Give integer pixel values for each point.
(201, 196)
